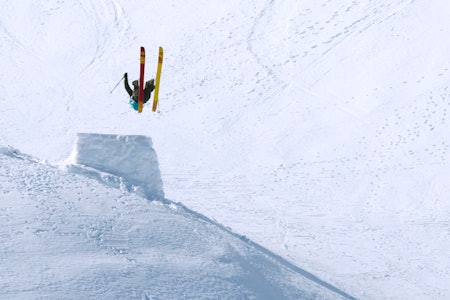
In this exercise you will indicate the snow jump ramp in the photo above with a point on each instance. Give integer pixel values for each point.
(128, 162)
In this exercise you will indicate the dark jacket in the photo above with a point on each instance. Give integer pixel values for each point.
(134, 94)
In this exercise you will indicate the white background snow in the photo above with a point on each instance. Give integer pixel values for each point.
(316, 129)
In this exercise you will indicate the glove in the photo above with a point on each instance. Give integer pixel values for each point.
(150, 83)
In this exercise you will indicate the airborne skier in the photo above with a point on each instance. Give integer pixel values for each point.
(134, 94)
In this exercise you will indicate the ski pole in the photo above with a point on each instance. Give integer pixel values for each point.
(117, 84)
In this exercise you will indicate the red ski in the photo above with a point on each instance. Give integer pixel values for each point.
(141, 81)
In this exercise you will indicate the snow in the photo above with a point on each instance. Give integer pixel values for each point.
(317, 130)
(65, 235)
(129, 158)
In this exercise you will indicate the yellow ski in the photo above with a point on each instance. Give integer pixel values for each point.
(158, 76)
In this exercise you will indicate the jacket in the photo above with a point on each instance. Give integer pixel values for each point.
(134, 94)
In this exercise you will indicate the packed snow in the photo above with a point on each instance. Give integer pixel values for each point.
(66, 236)
(130, 159)
(313, 134)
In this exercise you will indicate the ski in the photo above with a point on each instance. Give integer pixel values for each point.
(158, 77)
(141, 82)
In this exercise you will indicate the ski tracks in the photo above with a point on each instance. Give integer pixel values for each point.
(253, 36)
(370, 16)
(306, 38)
(108, 38)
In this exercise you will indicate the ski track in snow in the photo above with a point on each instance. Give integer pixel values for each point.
(108, 39)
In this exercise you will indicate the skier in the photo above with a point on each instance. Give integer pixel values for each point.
(134, 94)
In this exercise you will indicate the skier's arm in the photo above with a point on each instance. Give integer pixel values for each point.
(127, 86)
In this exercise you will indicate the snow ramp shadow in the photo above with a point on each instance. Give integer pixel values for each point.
(128, 162)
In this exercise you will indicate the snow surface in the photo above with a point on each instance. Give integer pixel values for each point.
(131, 159)
(317, 129)
(66, 236)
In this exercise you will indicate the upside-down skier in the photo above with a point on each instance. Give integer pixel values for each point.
(134, 94)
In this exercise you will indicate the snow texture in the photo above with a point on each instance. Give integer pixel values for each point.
(67, 236)
(130, 158)
(317, 129)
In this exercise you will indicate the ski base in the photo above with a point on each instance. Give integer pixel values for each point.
(141, 81)
(157, 79)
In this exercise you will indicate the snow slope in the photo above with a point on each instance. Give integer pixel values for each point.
(317, 129)
(67, 236)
